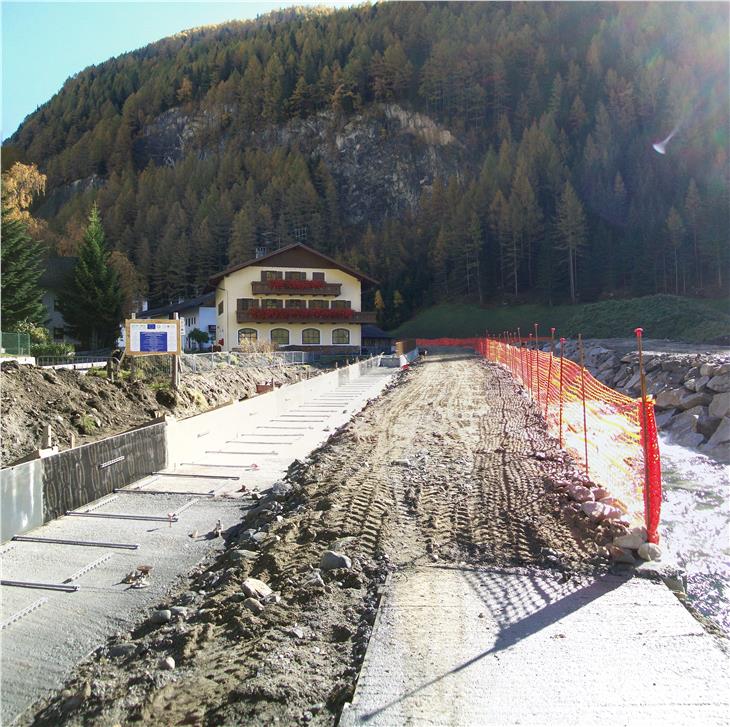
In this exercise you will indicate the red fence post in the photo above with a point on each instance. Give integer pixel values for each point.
(583, 397)
(522, 364)
(560, 393)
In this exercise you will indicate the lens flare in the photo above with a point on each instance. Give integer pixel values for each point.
(660, 147)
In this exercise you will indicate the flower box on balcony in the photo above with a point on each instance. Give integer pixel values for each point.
(292, 314)
(297, 284)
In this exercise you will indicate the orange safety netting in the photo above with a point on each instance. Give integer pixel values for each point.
(611, 435)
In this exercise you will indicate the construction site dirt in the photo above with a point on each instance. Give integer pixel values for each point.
(451, 465)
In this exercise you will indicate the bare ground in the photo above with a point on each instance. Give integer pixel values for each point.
(90, 407)
(452, 464)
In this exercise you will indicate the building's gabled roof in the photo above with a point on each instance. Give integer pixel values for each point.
(285, 252)
(207, 300)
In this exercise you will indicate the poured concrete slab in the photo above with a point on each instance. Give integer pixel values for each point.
(498, 647)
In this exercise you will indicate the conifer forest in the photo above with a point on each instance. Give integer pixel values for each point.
(484, 152)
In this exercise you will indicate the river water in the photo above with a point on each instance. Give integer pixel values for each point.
(695, 529)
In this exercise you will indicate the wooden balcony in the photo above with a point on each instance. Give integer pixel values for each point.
(304, 315)
(295, 287)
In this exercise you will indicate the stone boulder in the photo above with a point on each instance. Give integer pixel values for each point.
(669, 398)
(718, 446)
(687, 420)
(720, 405)
(720, 383)
(692, 399)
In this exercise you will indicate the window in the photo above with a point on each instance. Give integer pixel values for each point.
(58, 334)
(246, 303)
(310, 335)
(272, 303)
(280, 336)
(220, 308)
(271, 275)
(247, 335)
(342, 304)
(296, 304)
(292, 275)
(340, 336)
(317, 276)
(319, 304)
(211, 331)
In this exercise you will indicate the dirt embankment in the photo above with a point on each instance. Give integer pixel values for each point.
(452, 465)
(90, 407)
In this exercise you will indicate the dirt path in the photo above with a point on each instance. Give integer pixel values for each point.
(450, 465)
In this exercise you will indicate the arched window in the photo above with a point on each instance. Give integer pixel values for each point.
(310, 335)
(280, 336)
(340, 335)
(247, 335)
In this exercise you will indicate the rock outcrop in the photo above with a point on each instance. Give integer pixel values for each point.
(381, 160)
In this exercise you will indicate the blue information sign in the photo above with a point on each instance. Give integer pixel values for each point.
(153, 341)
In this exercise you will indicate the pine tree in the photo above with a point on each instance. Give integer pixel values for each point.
(693, 214)
(92, 302)
(676, 231)
(20, 269)
(570, 225)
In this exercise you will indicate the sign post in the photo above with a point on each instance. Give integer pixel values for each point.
(175, 373)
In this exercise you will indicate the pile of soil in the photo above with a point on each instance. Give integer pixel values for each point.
(451, 465)
(89, 407)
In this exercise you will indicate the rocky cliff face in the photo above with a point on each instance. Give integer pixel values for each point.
(381, 160)
(691, 392)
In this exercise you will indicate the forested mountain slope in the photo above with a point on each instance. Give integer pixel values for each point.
(479, 150)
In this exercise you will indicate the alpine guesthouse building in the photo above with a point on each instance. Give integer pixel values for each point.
(294, 298)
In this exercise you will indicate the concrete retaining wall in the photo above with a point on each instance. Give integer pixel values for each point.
(43, 489)
(40, 490)
(81, 475)
(186, 438)
(21, 498)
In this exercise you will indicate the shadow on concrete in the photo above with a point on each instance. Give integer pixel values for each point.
(522, 604)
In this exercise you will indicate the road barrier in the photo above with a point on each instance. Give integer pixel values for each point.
(612, 436)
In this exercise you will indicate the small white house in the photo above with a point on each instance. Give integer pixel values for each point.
(193, 313)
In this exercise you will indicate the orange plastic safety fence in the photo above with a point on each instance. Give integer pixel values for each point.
(612, 436)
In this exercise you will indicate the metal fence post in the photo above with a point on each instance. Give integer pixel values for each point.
(560, 393)
(550, 371)
(537, 366)
(583, 397)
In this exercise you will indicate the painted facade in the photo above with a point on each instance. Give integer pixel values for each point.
(293, 298)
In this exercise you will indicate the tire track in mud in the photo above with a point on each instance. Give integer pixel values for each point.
(474, 487)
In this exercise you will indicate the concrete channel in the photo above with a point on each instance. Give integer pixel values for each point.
(471, 647)
(166, 521)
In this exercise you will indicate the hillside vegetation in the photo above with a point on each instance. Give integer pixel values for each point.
(487, 151)
(661, 316)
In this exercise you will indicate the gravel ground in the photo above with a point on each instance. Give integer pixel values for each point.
(451, 465)
(91, 408)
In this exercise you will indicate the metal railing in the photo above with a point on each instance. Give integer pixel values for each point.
(16, 344)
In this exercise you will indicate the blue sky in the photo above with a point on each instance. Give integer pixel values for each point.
(45, 43)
